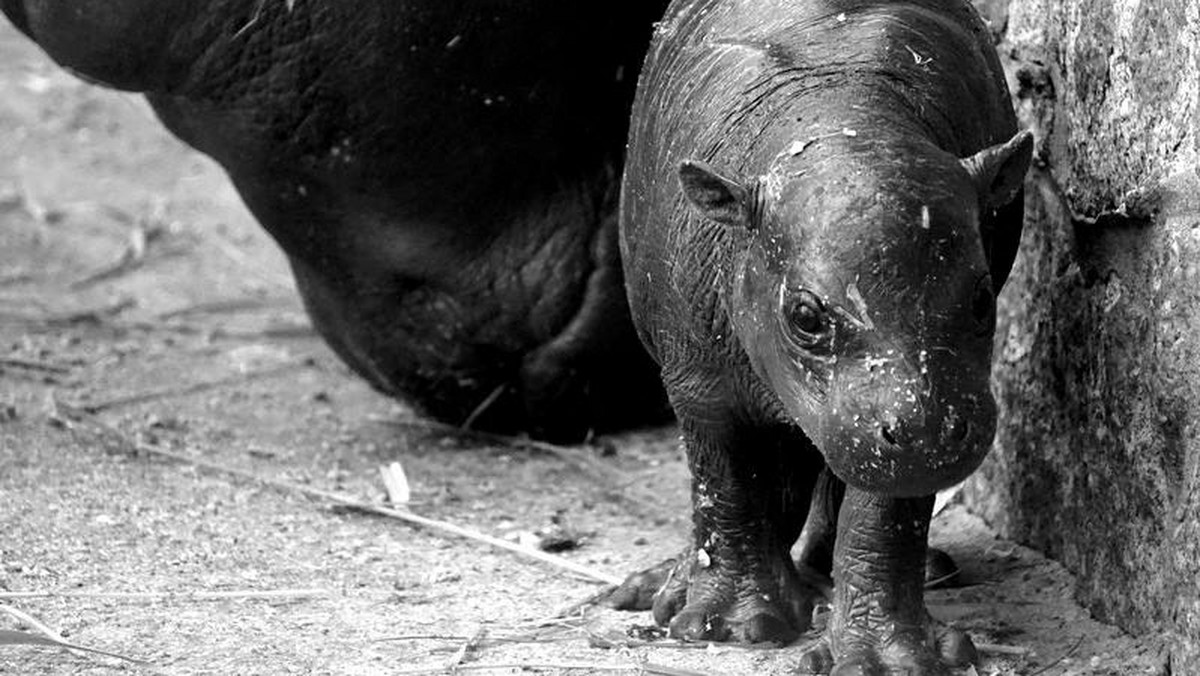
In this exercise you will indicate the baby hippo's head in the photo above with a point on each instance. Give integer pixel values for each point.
(864, 298)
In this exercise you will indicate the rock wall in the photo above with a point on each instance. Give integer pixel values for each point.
(1097, 457)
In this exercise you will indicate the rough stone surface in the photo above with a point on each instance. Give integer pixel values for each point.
(1097, 459)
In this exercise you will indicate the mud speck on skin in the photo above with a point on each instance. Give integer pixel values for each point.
(79, 514)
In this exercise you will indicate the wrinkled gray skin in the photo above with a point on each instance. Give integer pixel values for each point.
(821, 199)
(442, 175)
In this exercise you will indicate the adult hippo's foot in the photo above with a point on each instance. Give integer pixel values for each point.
(879, 625)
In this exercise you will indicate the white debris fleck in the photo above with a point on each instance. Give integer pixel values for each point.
(926, 219)
(703, 559)
(917, 58)
(872, 363)
(37, 84)
(798, 147)
(860, 304)
(395, 482)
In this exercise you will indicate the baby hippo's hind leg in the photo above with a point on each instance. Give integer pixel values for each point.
(736, 581)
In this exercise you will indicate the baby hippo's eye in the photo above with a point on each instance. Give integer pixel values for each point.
(806, 314)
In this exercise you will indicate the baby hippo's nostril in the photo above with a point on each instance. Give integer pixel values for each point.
(886, 434)
(961, 430)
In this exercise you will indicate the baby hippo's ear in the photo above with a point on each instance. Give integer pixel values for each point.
(999, 171)
(713, 196)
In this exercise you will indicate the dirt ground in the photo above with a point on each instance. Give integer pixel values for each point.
(142, 308)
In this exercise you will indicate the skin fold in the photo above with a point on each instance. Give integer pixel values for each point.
(820, 201)
(442, 175)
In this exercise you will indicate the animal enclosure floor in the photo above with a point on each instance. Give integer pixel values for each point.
(141, 308)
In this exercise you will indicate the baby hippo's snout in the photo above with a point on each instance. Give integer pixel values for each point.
(900, 436)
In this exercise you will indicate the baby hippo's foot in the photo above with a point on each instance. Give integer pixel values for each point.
(723, 595)
(878, 625)
(914, 653)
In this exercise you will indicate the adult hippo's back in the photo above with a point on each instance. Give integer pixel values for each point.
(441, 174)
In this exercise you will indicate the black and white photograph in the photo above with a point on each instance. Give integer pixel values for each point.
(638, 337)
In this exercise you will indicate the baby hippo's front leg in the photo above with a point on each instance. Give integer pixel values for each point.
(879, 625)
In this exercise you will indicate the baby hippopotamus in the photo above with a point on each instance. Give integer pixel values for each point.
(820, 202)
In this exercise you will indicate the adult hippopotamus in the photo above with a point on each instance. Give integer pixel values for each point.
(821, 199)
(442, 175)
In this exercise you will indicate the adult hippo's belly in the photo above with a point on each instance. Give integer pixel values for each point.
(442, 175)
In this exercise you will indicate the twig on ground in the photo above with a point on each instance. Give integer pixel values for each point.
(21, 638)
(664, 670)
(466, 649)
(977, 604)
(637, 668)
(430, 637)
(81, 416)
(281, 330)
(50, 637)
(578, 456)
(401, 515)
(98, 315)
(184, 390)
(131, 258)
(225, 306)
(583, 604)
(34, 365)
(232, 595)
(22, 616)
(594, 640)
(482, 407)
(286, 330)
(610, 643)
(995, 649)
(931, 584)
(490, 640)
(1070, 652)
